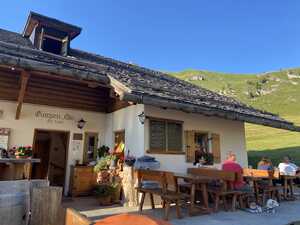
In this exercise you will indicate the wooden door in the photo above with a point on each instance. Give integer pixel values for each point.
(41, 151)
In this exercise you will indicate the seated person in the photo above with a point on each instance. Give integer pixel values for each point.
(286, 167)
(232, 166)
(265, 164)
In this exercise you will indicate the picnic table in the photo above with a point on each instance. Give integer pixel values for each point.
(256, 176)
(197, 181)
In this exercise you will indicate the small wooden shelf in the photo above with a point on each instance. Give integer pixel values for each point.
(13, 160)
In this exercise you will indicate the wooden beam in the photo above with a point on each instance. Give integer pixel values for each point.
(24, 81)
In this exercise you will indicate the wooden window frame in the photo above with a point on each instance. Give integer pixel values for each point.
(214, 147)
(165, 151)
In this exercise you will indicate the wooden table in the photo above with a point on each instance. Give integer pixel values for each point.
(14, 169)
(195, 181)
(255, 180)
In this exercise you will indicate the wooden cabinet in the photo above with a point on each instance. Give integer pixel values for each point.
(82, 180)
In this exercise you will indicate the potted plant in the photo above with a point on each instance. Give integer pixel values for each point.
(23, 152)
(104, 193)
(101, 168)
(115, 198)
(102, 151)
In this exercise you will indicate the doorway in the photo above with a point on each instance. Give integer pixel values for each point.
(90, 147)
(51, 148)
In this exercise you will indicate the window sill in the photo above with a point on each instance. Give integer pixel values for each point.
(164, 153)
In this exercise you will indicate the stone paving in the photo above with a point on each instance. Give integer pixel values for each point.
(286, 213)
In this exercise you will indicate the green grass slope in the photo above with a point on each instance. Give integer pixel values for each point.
(277, 92)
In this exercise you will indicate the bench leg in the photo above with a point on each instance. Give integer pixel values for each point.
(225, 202)
(142, 202)
(217, 202)
(233, 204)
(167, 210)
(178, 209)
(278, 196)
(152, 201)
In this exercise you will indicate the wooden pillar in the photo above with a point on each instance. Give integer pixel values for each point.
(24, 81)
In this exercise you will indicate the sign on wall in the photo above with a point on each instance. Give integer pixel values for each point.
(4, 137)
(54, 117)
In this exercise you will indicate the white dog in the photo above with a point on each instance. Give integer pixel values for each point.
(271, 206)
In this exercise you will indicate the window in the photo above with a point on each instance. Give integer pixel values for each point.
(165, 136)
(205, 145)
(54, 41)
(52, 45)
(90, 147)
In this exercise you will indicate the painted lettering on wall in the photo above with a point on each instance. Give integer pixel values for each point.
(54, 117)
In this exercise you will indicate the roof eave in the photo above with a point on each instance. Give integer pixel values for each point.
(190, 108)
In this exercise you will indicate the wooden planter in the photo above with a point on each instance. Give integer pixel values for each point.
(116, 195)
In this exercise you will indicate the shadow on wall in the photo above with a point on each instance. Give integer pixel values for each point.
(275, 155)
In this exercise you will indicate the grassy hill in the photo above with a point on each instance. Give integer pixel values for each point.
(277, 92)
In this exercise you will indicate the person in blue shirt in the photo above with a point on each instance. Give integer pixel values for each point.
(265, 164)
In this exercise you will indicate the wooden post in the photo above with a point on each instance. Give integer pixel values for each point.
(24, 81)
(46, 206)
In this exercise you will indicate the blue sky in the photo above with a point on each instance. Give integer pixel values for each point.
(241, 36)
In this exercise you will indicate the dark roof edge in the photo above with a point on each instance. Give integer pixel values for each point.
(34, 15)
(189, 108)
(30, 64)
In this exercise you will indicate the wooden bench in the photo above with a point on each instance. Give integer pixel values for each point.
(167, 190)
(222, 189)
(263, 183)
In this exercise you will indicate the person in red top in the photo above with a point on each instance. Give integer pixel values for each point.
(232, 166)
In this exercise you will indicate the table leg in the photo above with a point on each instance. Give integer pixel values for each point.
(255, 185)
(291, 189)
(205, 195)
(192, 203)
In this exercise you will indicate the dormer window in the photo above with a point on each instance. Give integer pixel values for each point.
(54, 41)
(50, 35)
(51, 44)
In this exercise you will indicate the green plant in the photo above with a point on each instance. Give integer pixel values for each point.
(104, 190)
(209, 158)
(103, 151)
(102, 164)
(24, 151)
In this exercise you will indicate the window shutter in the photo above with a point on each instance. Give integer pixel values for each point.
(157, 135)
(174, 137)
(190, 147)
(216, 148)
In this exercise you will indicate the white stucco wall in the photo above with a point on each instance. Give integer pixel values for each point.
(127, 119)
(232, 134)
(22, 130)
(136, 135)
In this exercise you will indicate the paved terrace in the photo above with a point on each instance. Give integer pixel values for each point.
(286, 213)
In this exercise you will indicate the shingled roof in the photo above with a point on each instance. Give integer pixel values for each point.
(141, 85)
